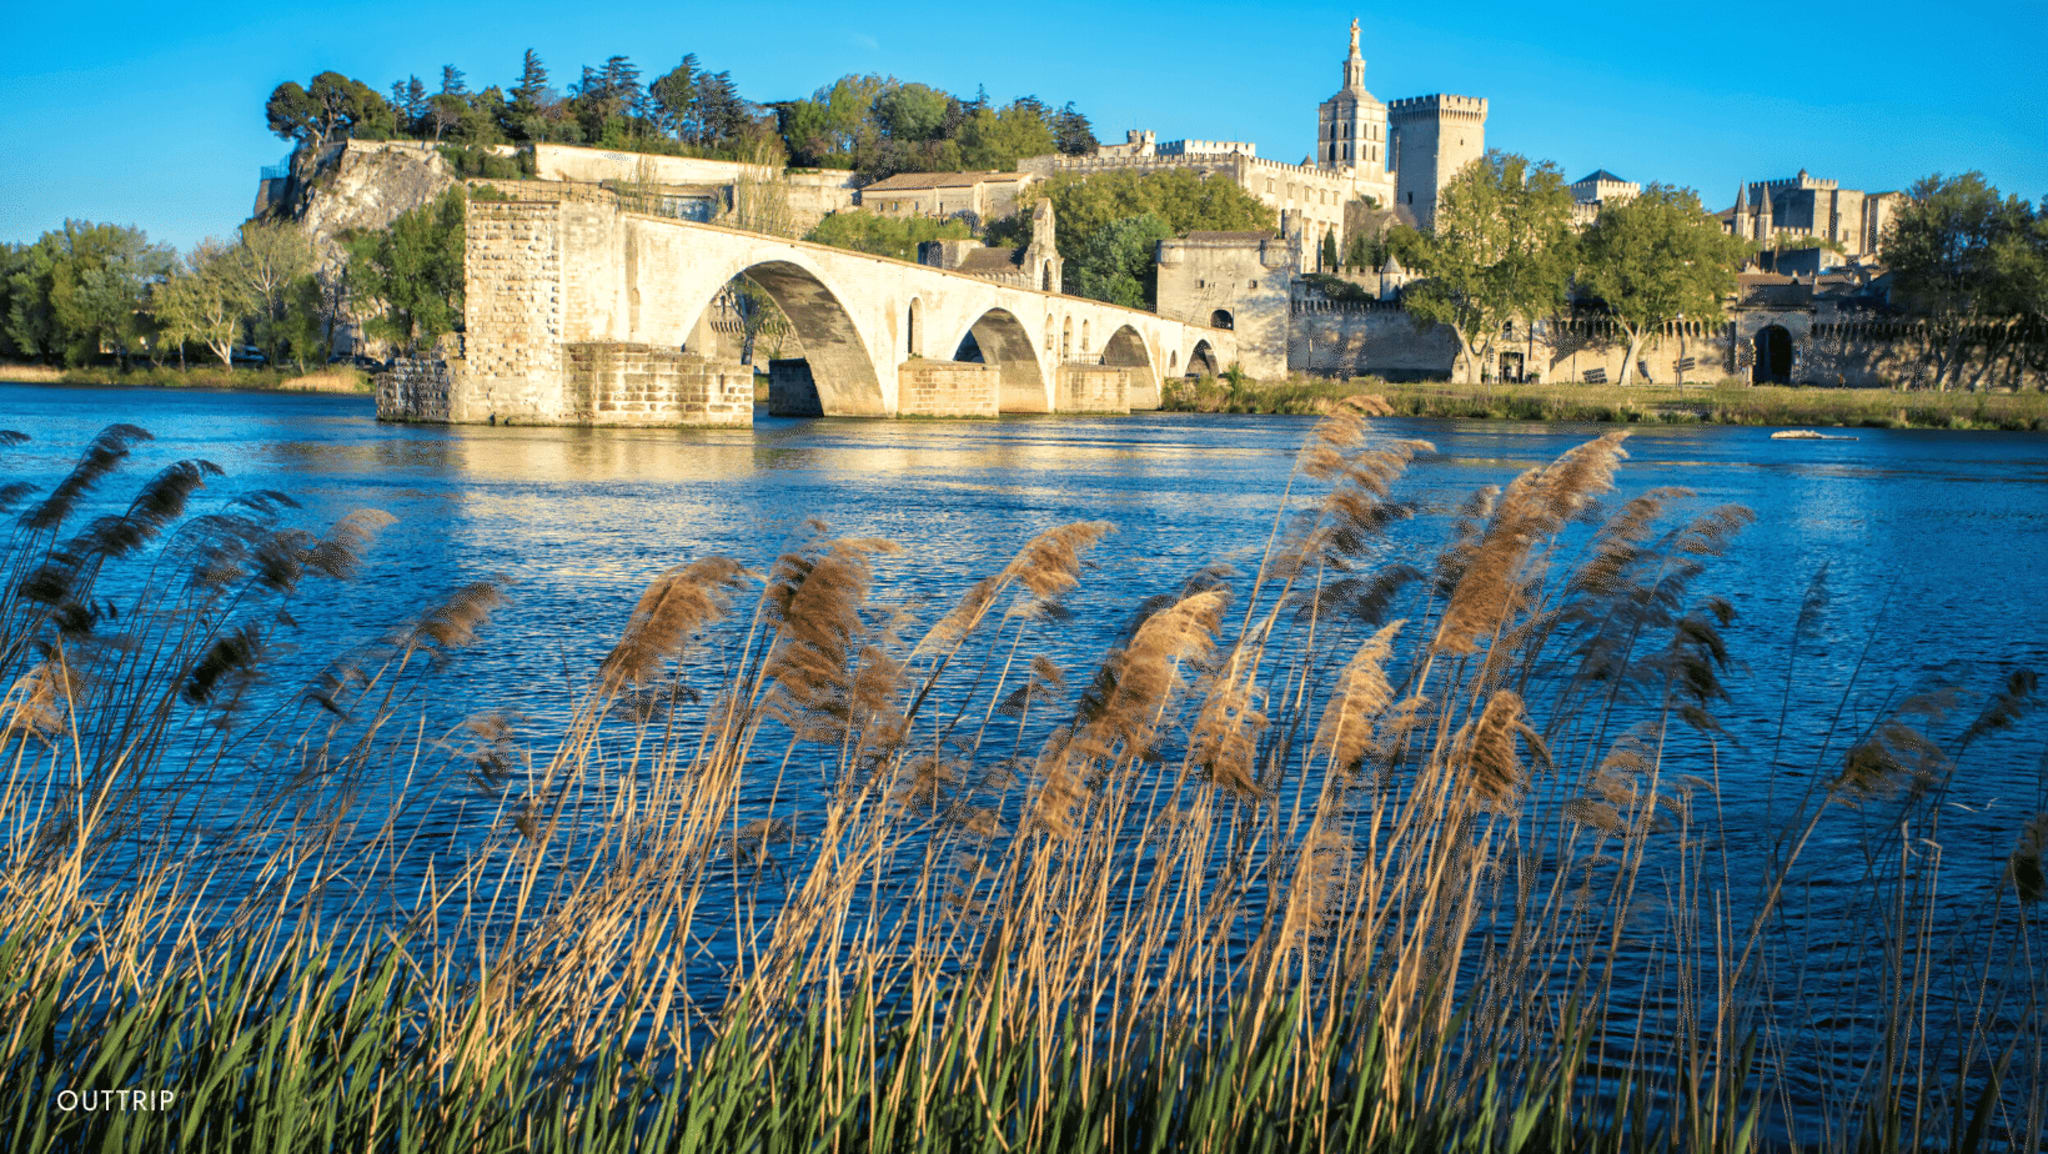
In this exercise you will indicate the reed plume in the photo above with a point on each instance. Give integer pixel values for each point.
(675, 609)
(1488, 589)
(1347, 736)
(1485, 757)
(102, 456)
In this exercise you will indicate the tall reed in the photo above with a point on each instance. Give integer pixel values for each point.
(1358, 850)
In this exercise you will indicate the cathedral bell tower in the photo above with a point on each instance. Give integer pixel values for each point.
(1352, 129)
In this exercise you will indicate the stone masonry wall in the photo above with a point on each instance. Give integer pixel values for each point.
(1368, 341)
(1344, 339)
(416, 389)
(947, 389)
(1093, 389)
(513, 314)
(610, 383)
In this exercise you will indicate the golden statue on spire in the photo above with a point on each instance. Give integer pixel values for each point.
(1354, 36)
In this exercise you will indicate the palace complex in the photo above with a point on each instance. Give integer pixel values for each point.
(1812, 307)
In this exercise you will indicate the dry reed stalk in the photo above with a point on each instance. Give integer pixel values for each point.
(1489, 585)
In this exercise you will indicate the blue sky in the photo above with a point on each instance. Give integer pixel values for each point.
(152, 113)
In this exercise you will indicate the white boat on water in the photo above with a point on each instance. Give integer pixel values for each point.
(1808, 435)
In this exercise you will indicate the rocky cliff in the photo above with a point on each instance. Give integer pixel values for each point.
(359, 185)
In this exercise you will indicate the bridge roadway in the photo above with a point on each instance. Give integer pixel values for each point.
(555, 279)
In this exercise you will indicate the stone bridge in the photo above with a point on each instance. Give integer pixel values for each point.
(580, 312)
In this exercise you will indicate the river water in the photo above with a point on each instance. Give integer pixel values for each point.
(1936, 542)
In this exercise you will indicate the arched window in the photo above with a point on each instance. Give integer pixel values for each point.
(1221, 319)
(1048, 334)
(1084, 338)
(912, 338)
(1066, 338)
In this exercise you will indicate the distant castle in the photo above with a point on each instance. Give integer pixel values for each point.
(1806, 206)
(1373, 161)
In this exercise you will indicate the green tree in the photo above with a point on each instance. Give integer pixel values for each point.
(1405, 243)
(270, 260)
(1330, 251)
(829, 129)
(534, 112)
(1502, 251)
(532, 88)
(82, 290)
(864, 231)
(13, 262)
(1118, 263)
(468, 120)
(1184, 200)
(332, 107)
(1655, 259)
(609, 101)
(674, 96)
(1959, 256)
(1071, 132)
(206, 301)
(1358, 253)
(409, 276)
(998, 140)
(307, 327)
(911, 112)
(409, 106)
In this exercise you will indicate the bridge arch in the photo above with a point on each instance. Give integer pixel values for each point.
(842, 369)
(1005, 343)
(1126, 349)
(1202, 360)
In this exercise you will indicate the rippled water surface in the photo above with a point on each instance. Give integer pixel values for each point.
(1936, 543)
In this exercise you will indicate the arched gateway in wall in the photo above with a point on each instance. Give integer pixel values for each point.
(581, 313)
(1773, 356)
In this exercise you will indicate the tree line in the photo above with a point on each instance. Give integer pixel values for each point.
(1970, 263)
(85, 293)
(1973, 264)
(876, 125)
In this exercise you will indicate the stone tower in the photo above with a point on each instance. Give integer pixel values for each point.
(1434, 138)
(1351, 132)
(1041, 256)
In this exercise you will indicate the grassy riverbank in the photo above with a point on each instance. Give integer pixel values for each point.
(1724, 403)
(1366, 848)
(332, 379)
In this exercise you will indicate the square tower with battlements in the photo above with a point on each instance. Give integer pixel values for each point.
(1434, 137)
